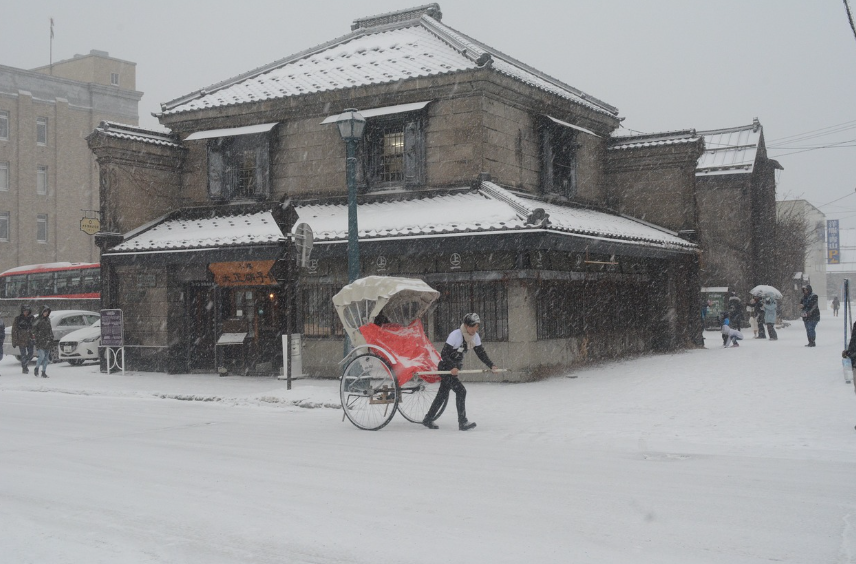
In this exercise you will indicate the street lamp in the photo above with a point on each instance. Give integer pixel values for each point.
(351, 126)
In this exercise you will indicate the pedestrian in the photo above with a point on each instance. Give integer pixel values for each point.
(835, 305)
(730, 336)
(735, 311)
(810, 314)
(770, 317)
(22, 336)
(752, 311)
(850, 352)
(2, 337)
(460, 340)
(759, 317)
(44, 339)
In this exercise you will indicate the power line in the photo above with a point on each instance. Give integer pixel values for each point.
(850, 17)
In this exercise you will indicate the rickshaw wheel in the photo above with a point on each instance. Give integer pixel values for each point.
(369, 392)
(417, 395)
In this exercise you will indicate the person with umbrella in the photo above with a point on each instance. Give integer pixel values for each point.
(770, 317)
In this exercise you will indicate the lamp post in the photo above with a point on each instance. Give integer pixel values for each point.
(351, 126)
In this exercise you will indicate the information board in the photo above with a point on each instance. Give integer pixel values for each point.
(112, 328)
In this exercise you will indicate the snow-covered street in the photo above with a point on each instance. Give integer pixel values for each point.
(730, 456)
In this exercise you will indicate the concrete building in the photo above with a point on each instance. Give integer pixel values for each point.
(490, 180)
(48, 177)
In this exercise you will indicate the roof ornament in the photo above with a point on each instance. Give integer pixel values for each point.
(485, 60)
(756, 125)
(430, 10)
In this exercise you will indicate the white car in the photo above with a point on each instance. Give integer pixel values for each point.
(63, 322)
(79, 346)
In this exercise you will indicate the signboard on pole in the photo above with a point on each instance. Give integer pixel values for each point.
(112, 328)
(833, 250)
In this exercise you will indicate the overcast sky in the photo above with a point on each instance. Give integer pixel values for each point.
(666, 64)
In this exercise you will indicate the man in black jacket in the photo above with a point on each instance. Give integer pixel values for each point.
(452, 359)
(810, 314)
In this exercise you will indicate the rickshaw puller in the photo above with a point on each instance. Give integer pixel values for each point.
(452, 359)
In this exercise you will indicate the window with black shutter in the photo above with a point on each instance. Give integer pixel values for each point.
(393, 152)
(239, 167)
(558, 159)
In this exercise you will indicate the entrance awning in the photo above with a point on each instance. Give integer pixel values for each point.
(231, 131)
(384, 111)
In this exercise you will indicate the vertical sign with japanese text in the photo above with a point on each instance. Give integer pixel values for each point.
(833, 250)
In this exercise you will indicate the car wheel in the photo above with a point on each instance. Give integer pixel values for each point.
(18, 357)
(75, 362)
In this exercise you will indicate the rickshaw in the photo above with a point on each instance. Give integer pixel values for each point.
(392, 365)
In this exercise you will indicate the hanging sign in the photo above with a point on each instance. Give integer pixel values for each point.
(90, 225)
(243, 273)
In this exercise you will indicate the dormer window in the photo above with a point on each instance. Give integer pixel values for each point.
(558, 159)
(238, 162)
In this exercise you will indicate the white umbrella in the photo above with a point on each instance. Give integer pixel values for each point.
(766, 292)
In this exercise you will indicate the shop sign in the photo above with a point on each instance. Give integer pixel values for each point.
(243, 273)
(90, 225)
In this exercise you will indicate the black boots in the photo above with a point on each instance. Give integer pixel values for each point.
(810, 343)
(466, 425)
(36, 372)
(429, 423)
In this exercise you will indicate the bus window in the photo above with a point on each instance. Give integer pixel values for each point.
(42, 284)
(16, 286)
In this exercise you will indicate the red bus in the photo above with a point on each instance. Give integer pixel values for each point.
(52, 280)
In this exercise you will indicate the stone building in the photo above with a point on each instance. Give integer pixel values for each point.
(481, 175)
(815, 270)
(48, 176)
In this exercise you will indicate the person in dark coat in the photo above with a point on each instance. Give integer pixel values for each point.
(735, 311)
(2, 337)
(452, 359)
(850, 352)
(810, 314)
(835, 305)
(22, 336)
(759, 313)
(44, 339)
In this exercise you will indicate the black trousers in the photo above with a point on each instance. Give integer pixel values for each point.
(449, 382)
(771, 329)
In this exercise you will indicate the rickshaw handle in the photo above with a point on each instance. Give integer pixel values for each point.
(483, 370)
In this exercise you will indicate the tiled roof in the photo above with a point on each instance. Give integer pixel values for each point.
(122, 131)
(652, 140)
(490, 209)
(258, 228)
(381, 54)
(729, 151)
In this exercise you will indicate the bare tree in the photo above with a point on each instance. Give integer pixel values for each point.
(793, 237)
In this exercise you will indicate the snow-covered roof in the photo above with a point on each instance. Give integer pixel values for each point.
(380, 50)
(729, 151)
(257, 228)
(123, 131)
(645, 140)
(489, 210)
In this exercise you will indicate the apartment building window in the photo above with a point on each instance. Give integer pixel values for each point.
(4, 126)
(558, 159)
(42, 131)
(4, 177)
(114, 78)
(4, 226)
(42, 228)
(393, 152)
(239, 167)
(42, 180)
